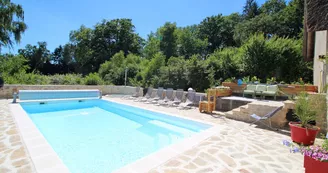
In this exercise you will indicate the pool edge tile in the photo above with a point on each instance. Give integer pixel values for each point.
(162, 112)
(158, 158)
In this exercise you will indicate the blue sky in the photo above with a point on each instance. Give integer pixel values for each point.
(52, 20)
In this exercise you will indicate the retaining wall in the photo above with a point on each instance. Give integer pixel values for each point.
(7, 91)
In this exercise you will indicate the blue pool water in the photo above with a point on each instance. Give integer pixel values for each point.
(96, 136)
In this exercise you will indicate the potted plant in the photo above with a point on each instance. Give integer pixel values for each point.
(271, 81)
(315, 156)
(307, 107)
(255, 80)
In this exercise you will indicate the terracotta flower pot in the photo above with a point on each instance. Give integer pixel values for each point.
(305, 136)
(314, 166)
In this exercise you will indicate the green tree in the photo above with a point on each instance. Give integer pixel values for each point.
(12, 64)
(292, 19)
(275, 20)
(12, 24)
(37, 56)
(274, 57)
(257, 59)
(174, 75)
(152, 46)
(113, 71)
(168, 39)
(151, 73)
(68, 62)
(223, 64)
(57, 55)
(189, 43)
(81, 40)
(251, 9)
(197, 74)
(273, 6)
(93, 47)
(218, 31)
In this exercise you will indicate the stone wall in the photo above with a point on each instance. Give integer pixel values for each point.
(7, 91)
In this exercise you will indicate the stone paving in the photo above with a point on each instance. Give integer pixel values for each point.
(239, 147)
(13, 154)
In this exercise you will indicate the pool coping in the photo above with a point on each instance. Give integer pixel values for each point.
(46, 160)
(162, 112)
(161, 156)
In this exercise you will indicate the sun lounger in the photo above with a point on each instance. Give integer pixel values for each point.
(177, 99)
(159, 95)
(168, 97)
(189, 101)
(147, 95)
(265, 117)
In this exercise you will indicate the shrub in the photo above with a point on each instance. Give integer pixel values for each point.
(274, 57)
(68, 79)
(93, 79)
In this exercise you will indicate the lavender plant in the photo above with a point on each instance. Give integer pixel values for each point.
(316, 152)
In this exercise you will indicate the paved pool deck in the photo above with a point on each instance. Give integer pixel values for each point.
(237, 147)
(14, 157)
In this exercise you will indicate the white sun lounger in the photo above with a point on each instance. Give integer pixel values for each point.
(177, 99)
(158, 96)
(147, 96)
(189, 101)
(168, 97)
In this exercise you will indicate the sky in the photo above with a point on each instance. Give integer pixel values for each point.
(52, 20)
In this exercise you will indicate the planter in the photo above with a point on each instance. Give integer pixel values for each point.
(314, 166)
(235, 88)
(296, 89)
(302, 135)
(223, 92)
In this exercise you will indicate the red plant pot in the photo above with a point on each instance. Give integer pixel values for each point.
(302, 135)
(314, 166)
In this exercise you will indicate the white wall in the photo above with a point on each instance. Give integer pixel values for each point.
(319, 71)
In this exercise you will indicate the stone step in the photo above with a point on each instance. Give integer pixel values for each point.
(236, 109)
(244, 107)
(229, 114)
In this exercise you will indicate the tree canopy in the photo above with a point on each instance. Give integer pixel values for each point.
(263, 41)
(11, 23)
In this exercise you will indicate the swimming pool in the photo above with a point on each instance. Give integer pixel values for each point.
(102, 136)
